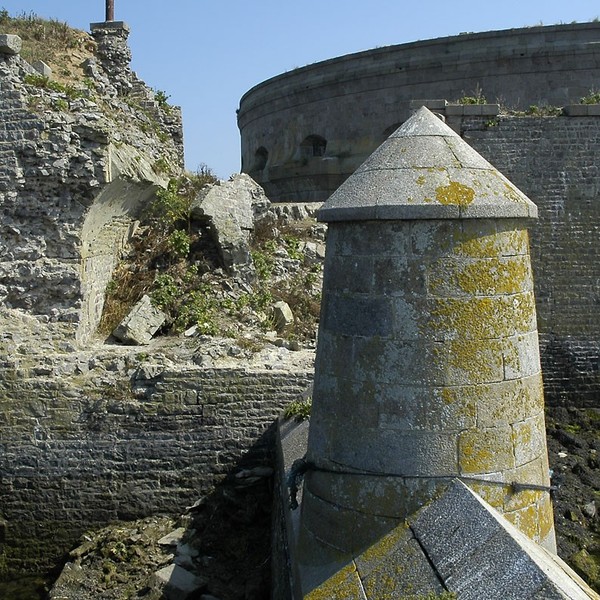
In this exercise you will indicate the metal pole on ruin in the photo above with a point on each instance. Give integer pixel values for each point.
(110, 10)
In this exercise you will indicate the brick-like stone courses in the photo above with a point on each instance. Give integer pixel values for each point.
(427, 363)
(81, 452)
(438, 320)
(554, 160)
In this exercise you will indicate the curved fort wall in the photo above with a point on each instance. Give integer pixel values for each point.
(304, 132)
(354, 102)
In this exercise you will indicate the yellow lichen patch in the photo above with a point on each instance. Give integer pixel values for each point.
(344, 585)
(421, 180)
(526, 520)
(518, 500)
(385, 546)
(476, 359)
(479, 239)
(511, 194)
(448, 396)
(493, 276)
(483, 317)
(493, 494)
(455, 193)
(485, 451)
(546, 516)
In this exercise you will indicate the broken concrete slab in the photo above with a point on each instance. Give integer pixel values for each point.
(231, 209)
(138, 327)
(176, 583)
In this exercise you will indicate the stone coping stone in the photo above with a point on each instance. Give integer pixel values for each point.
(424, 170)
(479, 554)
(116, 25)
(582, 110)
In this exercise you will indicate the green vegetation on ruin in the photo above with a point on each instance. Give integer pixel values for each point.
(174, 260)
(54, 42)
(298, 410)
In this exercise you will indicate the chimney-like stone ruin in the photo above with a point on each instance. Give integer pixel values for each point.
(427, 364)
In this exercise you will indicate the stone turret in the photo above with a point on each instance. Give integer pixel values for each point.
(427, 364)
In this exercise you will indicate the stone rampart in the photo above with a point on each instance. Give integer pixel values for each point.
(303, 132)
(98, 437)
(553, 160)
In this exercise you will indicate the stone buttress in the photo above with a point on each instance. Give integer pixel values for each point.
(427, 364)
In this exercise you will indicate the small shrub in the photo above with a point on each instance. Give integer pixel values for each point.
(42, 82)
(199, 309)
(263, 263)
(178, 243)
(165, 292)
(161, 166)
(170, 206)
(61, 105)
(298, 410)
(162, 99)
(292, 246)
(543, 111)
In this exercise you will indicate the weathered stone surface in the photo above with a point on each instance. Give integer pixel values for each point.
(75, 174)
(42, 68)
(456, 544)
(479, 554)
(141, 323)
(126, 434)
(172, 538)
(425, 170)
(282, 315)
(10, 44)
(231, 209)
(176, 583)
(426, 315)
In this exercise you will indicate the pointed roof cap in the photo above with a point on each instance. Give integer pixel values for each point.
(424, 170)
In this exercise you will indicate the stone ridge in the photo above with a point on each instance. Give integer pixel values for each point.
(426, 171)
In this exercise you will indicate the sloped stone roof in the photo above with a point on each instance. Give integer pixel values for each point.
(424, 170)
(457, 544)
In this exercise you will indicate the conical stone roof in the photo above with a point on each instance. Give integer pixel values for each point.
(424, 170)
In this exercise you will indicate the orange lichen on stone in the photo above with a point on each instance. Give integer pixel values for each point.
(485, 451)
(493, 276)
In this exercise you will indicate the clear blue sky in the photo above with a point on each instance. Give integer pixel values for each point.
(207, 53)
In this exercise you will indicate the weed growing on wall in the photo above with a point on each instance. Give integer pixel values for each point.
(592, 98)
(299, 410)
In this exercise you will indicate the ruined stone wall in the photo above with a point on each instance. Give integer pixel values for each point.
(93, 438)
(554, 161)
(77, 166)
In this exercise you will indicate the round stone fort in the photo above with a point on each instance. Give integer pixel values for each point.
(304, 132)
